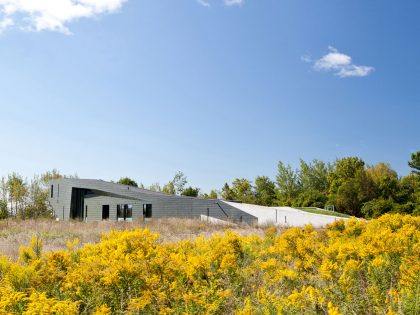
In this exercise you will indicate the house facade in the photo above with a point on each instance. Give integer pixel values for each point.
(96, 200)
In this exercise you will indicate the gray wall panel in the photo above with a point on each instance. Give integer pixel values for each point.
(163, 205)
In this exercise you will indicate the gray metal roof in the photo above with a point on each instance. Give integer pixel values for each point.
(115, 188)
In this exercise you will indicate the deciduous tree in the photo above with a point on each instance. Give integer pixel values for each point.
(265, 191)
(127, 181)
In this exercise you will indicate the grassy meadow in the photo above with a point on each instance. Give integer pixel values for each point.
(55, 234)
(352, 267)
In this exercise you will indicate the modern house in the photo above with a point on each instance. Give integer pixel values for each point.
(95, 200)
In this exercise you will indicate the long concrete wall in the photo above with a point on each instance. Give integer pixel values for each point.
(285, 216)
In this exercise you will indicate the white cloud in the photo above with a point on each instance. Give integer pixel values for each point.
(228, 3)
(52, 15)
(234, 2)
(5, 23)
(204, 3)
(341, 64)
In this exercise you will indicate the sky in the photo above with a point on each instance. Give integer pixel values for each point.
(218, 89)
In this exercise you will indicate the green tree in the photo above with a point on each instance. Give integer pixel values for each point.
(155, 187)
(288, 184)
(37, 205)
(343, 170)
(243, 191)
(4, 212)
(4, 190)
(191, 192)
(311, 198)
(408, 195)
(179, 181)
(227, 193)
(265, 191)
(415, 163)
(169, 188)
(313, 181)
(18, 190)
(347, 199)
(127, 181)
(314, 176)
(50, 175)
(213, 194)
(353, 193)
(377, 207)
(385, 180)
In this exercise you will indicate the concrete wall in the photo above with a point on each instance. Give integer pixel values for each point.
(285, 216)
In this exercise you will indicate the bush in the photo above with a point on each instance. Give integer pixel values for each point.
(4, 212)
(377, 207)
(351, 267)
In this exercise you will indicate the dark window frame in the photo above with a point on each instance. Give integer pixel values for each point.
(124, 212)
(147, 211)
(105, 212)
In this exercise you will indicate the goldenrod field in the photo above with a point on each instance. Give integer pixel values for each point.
(356, 267)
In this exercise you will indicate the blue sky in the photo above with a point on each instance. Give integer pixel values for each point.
(217, 89)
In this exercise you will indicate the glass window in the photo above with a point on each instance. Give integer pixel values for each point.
(120, 213)
(147, 211)
(124, 212)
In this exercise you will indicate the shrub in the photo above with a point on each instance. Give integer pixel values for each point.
(351, 267)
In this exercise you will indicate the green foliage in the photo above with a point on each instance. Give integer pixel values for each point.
(227, 193)
(50, 175)
(343, 170)
(265, 191)
(243, 191)
(376, 208)
(127, 181)
(213, 195)
(415, 163)
(38, 206)
(287, 184)
(26, 199)
(348, 184)
(191, 192)
(169, 188)
(311, 198)
(314, 176)
(155, 187)
(179, 182)
(4, 213)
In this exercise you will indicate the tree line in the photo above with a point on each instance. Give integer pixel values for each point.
(24, 198)
(347, 184)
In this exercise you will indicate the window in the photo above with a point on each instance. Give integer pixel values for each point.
(120, 212)
(147, 211)
(124, 212)
(105, 212)
(128, 209)
(52, 191)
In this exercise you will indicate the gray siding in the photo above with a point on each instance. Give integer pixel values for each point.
(163, 205)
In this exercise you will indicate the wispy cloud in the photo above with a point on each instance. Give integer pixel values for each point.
(229, 3)
(234, 2)
(340, 64)
(52, 15)
(204, 3)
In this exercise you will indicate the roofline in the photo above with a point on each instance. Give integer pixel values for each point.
(138, 189)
